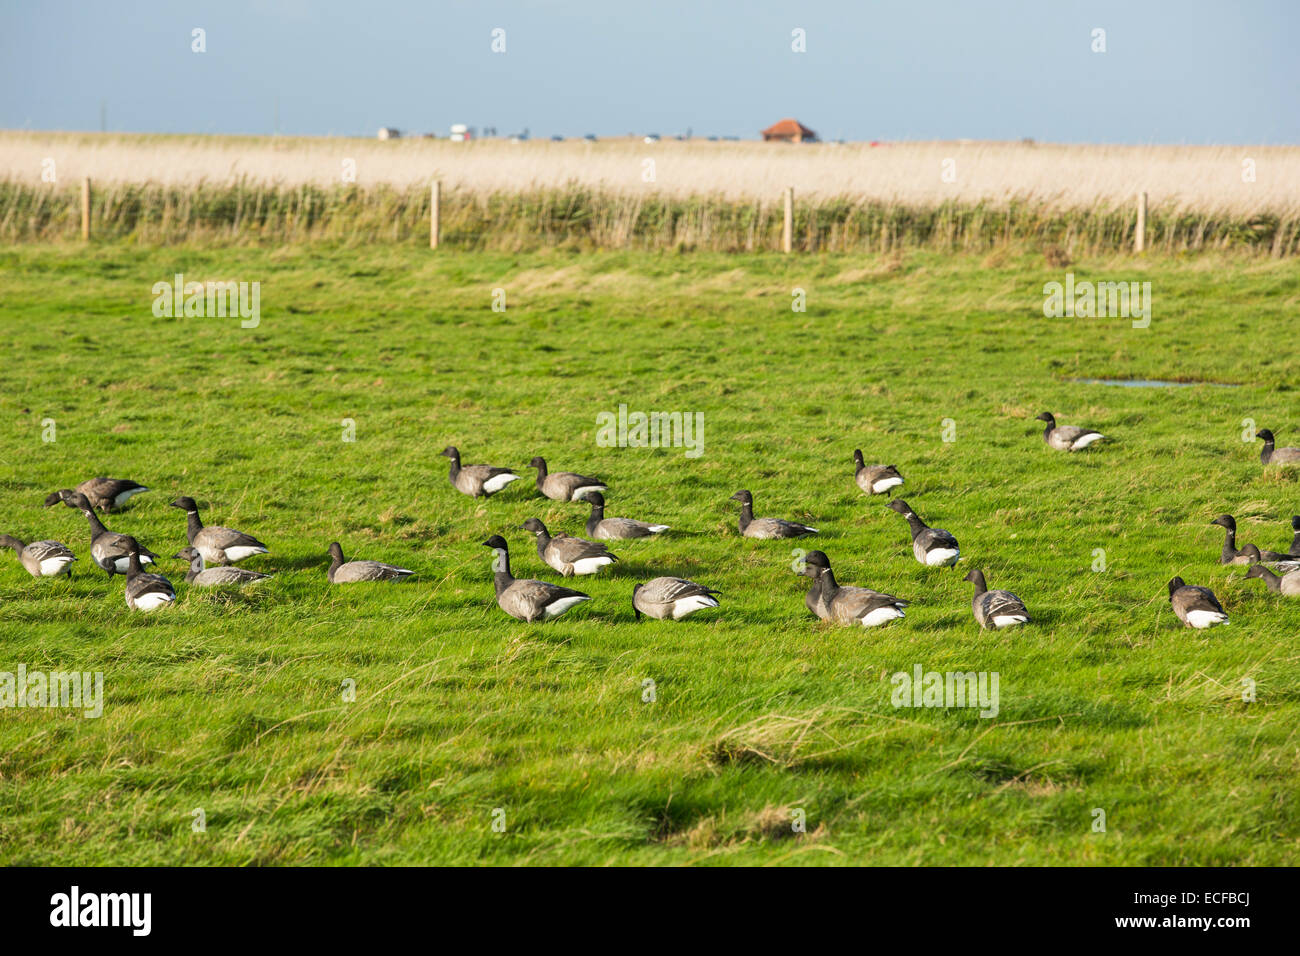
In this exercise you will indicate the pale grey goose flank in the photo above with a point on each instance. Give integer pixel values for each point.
(206, 577)
(1276, 456)
(476, 480)
(995, 609)
(612, 529)
(846, 605)
(144, 592)
(874, 479)
(1195, 606)
(1067, 437)
(104, 494)
(933, 547)
(525, 599)
(1287, 585)
(752, 527)
(107, 549)
(217, 545)
(351, 572)
(671, 599)
(563, 485)
(42, 559)
(567, 555)
(1230, 553)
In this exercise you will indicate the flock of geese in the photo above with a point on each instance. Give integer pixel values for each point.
(213, 551)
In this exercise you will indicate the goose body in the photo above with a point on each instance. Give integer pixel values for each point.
(104, 494)
(352, 572)
(671, 599)
(525, 599)
(1230, 554)
(42, 559)
(752, 527)
(145, 592)
(567, 555)
(1067, 437)
(995, 610)
(563, 485)
(1276, 456)
(874, 479)
(107, 549)
(1196, 606)
(477, 480)
(933, 547)
(1288, 585)
(202, 576)
(846, 605)
(217, 545)
(611, 529)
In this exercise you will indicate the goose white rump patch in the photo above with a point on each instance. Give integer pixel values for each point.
(1203, 619)
(154, 599)
(122, 564)
(884, 484)
(1086, 440)
(689, 605)
(52, 566)
(556, 608)
(1006, 620)
(590, 565)
(582, 492)
(123, 495)
(942, 556)
(239, 552)
(657, 528)
(881, 615)
(497, 482)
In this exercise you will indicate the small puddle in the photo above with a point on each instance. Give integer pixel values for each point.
(1148, 383)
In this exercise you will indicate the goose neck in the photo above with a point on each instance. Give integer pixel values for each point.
(96, 526)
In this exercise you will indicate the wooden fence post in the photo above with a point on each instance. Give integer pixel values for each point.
(787, 226)
(85, 208)
(435, 213)
(1140, 237)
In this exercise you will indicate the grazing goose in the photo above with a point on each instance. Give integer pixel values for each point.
(563, 485)
(1067, 437)
(1276, 456)
(752, 527)
(525, 599)
(217, 545)
(933, 547)
(107, 549)
(995, 609)
(567, 555)
(42, 559)
(1230, 553)
(610, 529)
(475, 480)
(875, 479)
(206, 577)
(144, 592)
(1288, 585)
(1195, 606)
(104, 494)
(671, 598)
(847, 605)
(1295, 545)
(350, 572)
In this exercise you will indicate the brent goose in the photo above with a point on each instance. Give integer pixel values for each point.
(847, 605)
(1276, 456)
(144, 592)
(567, 555)
(475, 480)
(1294, 552)
(563, 485)
(933, 547)
(875, 479)
(104, 494)
(1287, 585)
(107, 549)
(42, 559)
(995, 609)
(1230, 553)
(1067, 437)
(752, 527)
(671, 598)
(525, 599)
(206, 577)
(609, 529)
(350, 572)
(1196, 606)
(217, 545)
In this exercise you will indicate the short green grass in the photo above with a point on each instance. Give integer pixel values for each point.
(463, 717)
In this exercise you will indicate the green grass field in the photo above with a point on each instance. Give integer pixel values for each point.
(462, 717)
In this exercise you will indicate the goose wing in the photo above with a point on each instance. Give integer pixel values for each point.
(563, 484)
(214, 536)
(1190, 598)
(44, 550)
(625, 528)
(369, 571)
(850, 604)
(527, 599)
(228, 575)
(931, 538)
(1285, 455)
(668, 590)
(142, 584)
(996, 604)
(569, 549)
(777, 528)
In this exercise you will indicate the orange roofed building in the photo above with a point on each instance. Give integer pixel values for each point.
(789, 131)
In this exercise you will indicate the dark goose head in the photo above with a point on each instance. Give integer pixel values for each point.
(1175, 584)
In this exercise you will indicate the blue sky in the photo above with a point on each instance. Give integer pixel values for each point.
(1174, 71)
